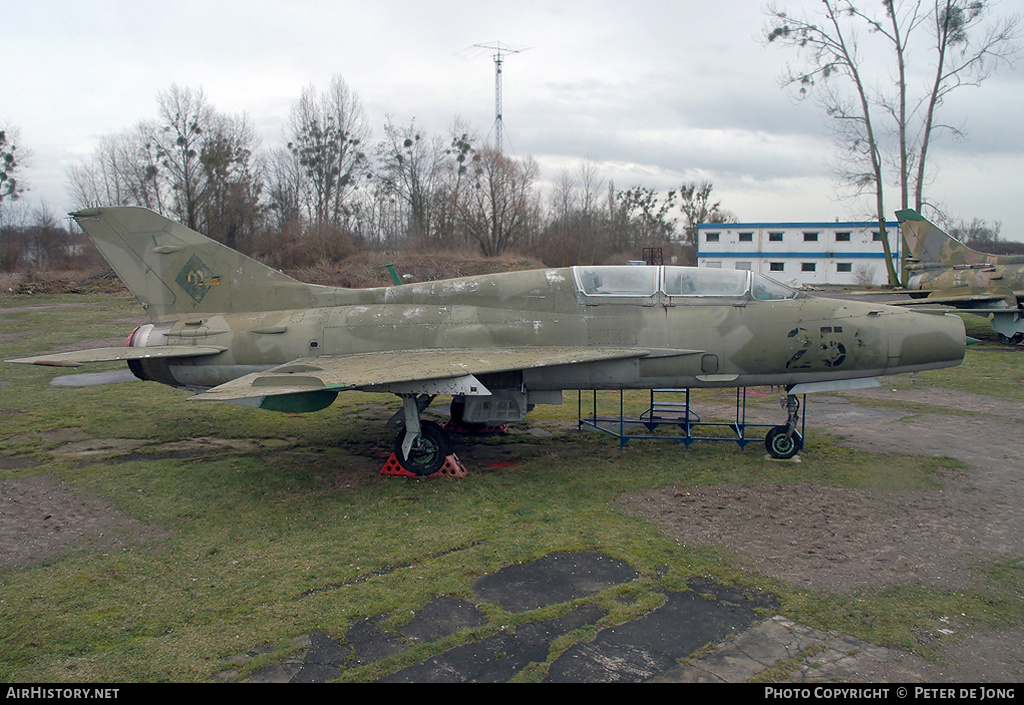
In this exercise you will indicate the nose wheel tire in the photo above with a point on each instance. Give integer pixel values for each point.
(428, 452)
(783, 443)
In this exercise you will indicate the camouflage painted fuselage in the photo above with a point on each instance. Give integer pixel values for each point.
(937, 261)
(236, 330)
(693, 341)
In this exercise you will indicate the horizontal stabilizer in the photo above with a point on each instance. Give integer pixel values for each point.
(975, 299)
(374, 370)
(77, 358)
(964, 300)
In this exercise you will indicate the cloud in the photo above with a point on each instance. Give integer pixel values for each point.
(653, 91)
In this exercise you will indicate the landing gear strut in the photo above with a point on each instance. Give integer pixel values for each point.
(421, 446)
(785, 441)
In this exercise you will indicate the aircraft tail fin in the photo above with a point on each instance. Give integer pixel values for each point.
(174, 270)
(926, 242)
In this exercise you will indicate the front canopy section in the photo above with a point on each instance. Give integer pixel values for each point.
(642, 284)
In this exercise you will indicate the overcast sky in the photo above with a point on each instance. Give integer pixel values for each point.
(653, 92)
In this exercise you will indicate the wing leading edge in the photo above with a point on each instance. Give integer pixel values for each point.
(449, 371)
(76, 358)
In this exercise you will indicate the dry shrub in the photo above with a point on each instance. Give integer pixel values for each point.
(33, 283)
(369, 269)
(298, 248)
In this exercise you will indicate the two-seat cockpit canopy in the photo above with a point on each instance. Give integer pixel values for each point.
(634, 282)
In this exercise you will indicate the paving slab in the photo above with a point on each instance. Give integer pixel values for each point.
(708, 633)
(799, 654)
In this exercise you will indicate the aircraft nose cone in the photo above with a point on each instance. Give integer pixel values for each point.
(921, 340)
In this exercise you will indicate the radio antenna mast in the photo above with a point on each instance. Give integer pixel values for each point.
(499, 50)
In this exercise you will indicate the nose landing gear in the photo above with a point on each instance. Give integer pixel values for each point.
(421, 447)
(785, 441)
(427, 452)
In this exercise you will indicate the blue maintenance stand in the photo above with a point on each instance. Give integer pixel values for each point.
(671, 407)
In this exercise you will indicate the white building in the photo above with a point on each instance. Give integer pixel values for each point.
(809, 253)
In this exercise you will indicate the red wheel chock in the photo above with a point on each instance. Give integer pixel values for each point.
(452, 467)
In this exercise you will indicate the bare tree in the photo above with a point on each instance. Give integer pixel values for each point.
(328, 131)
(122, 172)
(233, 176)
(976, 234)
(832, 58)
(453, 182)
(284, 187)
(695, 202)
(647, 216)
(10, 165)
(962, 58)
(859, 111)
(410, 168)
(577, 230)
(501, 207)
(194, 164)
(47, 238)
(184, 119)
(379, 218)
(561, 240)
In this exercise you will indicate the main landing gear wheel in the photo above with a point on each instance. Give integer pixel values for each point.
(428, 452)
(782, 443)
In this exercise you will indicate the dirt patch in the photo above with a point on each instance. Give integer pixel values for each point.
(835, 539)
(41, 307)
(840, 539)
(40, 516)
(11, 337)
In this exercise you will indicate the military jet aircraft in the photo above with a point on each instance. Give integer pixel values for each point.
(942, 270)
(235, 330)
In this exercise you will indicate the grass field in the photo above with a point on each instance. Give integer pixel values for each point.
(244, 529)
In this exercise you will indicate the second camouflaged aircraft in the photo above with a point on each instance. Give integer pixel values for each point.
(944, 271)
(236, 330)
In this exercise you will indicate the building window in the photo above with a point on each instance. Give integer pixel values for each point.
(845, 267)
(808, 266)
(774, 237)
(810, 237)
(842, 237)
(712, 265)
(746, 237)
(876, 237)
(776, 266)
(711, 237)
(745, 266)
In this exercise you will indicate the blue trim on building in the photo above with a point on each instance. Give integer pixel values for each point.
(794, 255)
(778, 226)
(772, 253)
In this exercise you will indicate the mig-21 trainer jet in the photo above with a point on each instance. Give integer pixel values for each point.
(942, 270)
(232, 329)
